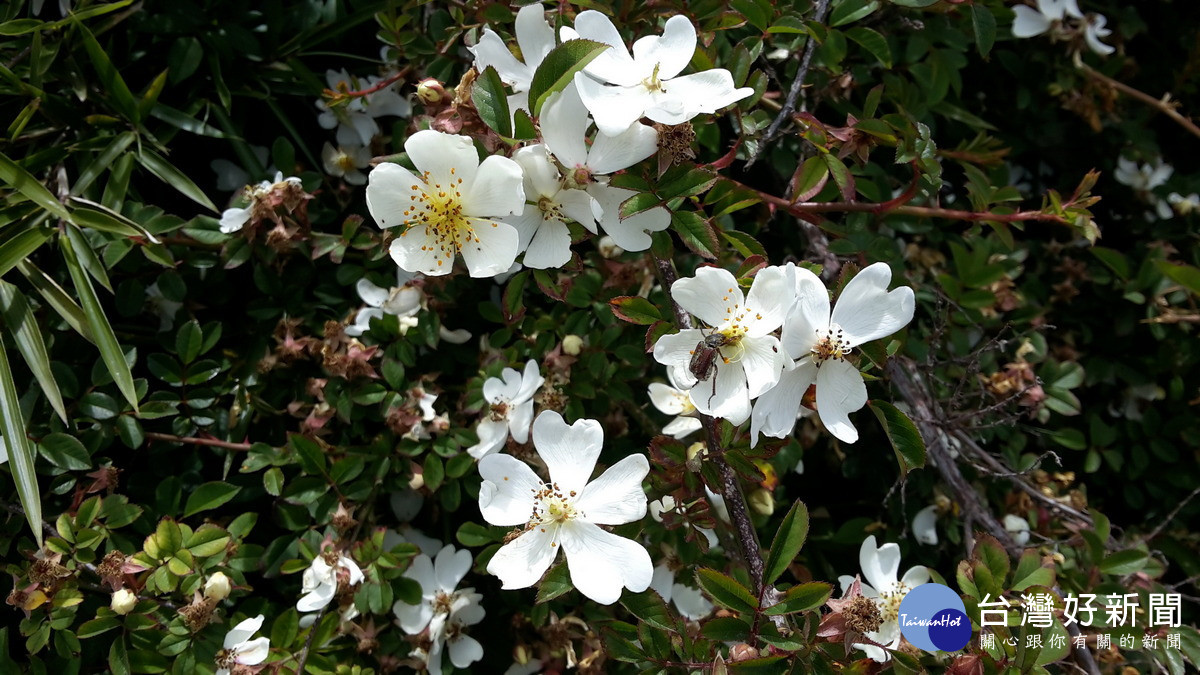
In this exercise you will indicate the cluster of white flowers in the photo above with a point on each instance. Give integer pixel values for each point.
(492, 212)
(321, 582)
(444, 612)
(1063, 20)
(355, 121)
(737, 357)
(880, 565)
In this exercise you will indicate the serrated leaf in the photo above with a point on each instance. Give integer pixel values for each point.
(617, 647)
(873, 42)
(696, 233)
(693, 182)
(841, 176)
(1124, 562)
(726, 591)
(23, 327)
(20, 450)
(111, 81)
(787, 543)
(172, 176)
(801, 598)
(474, 534)
(491, 102)
(98, 326)
(726, 629)
(635, 309)
(558, 69)
(188, 341)
(65, 452)
(848, 11)
(902, 433)
(209, 496)
(556, 582)
(649, 607)
(642, 201)
(814, 174)
(745, 244)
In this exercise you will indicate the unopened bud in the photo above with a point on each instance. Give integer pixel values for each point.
(571, 345)
(123, 601)
(217, 587)
(416, 482)
(742, 652)
(694, 449)
(762, 501)
(430, 91)
(608, 248)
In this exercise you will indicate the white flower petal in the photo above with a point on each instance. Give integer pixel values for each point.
(775, 411)
(915, 576)
(771, 295)
(712, 295)
(629, 233)
(541, 178)
(491, 249)
(534, 36)
(506, 495)
(569, 452)
(1029, 22)
(879, 564)
(840, 391)
(531, 381)
(370, 293)
(613, 108)
(491, 51)
(243, 631)
(520, 419)
(601, 563)
(416, 250)
(726, 395)
(616, 497)
(675, 350)
(613, 65)
(234, 219)
(705, 92)
(762, 361)
(672, 51)
(690, 602)
(320, 597)
(867, 311)
(521, 562)
(497, 189)
(924, 525)
(614, 153)
(253, 652)
(550, 247)
(808, 317)
(577, 205)
(682, 427)
(492, 435)
(413, 618)
(564, 123)
(447, 158)
(667, 399)
(662, 581)
(389, 191)
(465, 650)
(451, 566)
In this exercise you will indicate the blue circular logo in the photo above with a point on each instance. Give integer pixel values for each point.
(933, 618)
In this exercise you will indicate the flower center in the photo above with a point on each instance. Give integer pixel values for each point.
(442, 602)
(550, 210)
(439, 207)
(499, 411)
(225, 658)
(344, 161)
(552, 505)
(832, 345)
(889, 603)
(652, 82)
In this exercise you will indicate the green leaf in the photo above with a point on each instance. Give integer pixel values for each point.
(993, 556)
(696, 233)
(172, 176)
(492, 102)
(556, 582)
(649, 607)
(1030, 572)
(848, 11)
(559, 68)
(984, 24)
(20, 451)
(474, 534)
(813, 176)
(97, 626)
(111, 81)
(65, 452)
(902, 433)
(915, 3)
(22, 181)
(188, 341)
(19, 242)
(635, 309)
(801, 598)
(273, 481)
(208, 540)
(841, 176)
(98, 326)
(24, 329)
(642, 201)
(209, 496)
(787, 543)
(726, 629)
(185, 122)
(87, 257)
(726, 591)
(873, 42)
(693, 182)
(309, 453)
(118, 657)
(19, 26)
(1124, 562)
(1184, 275)
(56, 297)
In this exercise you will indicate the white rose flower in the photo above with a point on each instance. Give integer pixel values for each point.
(239, 649)
(345, 161)
(541, 224)
(450, 208)
(510, 400)
(320, 581)
(620, 89)
(443, 610)
(819, 342)
(1030, 22)
(402, 301)
(567, 512)
(924, 525)
(748, 358)
(880, 567)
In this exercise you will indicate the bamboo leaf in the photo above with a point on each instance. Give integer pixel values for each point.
(20, 451)
(22, 181)
(87, 257)
(19, 244)
(97, 322)
(172, 176)
(56, 297)
(110, 80)
(102, 163)
(24, 329)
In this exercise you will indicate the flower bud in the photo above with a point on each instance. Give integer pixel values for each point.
(571, 345)
(123, 601)
(762, 502)
(217, 587)
(416, 482)
(430, 91)
(608, 248)
(694, 450)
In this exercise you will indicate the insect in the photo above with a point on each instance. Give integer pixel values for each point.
(704, 358)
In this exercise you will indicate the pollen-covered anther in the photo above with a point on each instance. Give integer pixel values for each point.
(833, 345)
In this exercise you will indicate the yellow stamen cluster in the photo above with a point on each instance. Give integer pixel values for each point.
(439, 208)
(833, 345)
(550, 210)
(652, 82)
(552, 506)
(889, 602)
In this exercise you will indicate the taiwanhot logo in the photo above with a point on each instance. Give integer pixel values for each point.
(933, 618)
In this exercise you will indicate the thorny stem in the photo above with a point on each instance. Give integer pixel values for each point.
(1163, 105)
(379, 86)
(312, 632)
(192, 440)
(789, 105)
(730, 488)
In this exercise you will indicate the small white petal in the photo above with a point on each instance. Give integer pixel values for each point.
(867, 311)
(491, 250)
(505, 497)
(879, 564)
(712, 295)
(840, 391)
(570, 452)
(465, 650)
(451, 566)
(243, 631)
(439, 153)
(924, 525)
(672, 51)
(602, 563)
(522, 562)
(1029, 22)
(616, 497)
